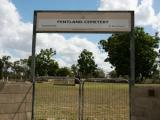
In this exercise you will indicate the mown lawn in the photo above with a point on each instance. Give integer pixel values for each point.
(102, 101)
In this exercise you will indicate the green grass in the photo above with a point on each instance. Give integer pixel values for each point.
(102, 101)
(145, 85)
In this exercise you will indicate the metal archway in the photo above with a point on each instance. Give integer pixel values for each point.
(84, 22)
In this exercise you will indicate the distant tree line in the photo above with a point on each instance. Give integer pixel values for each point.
(14, 69)
(46, 65)
(117, 46)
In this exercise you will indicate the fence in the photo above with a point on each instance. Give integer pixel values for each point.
(145, 99)
(91, 100)
(15, 100)
(95, 99)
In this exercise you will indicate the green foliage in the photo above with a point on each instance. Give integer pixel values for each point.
(17, 69)
(86, 63)
(5, 65)
(156, 74)
(74, 69)
(45, 64)
(20, 69)
(117, 47)
(99, 73)
(113, 74)
(64, 71)
(1, 67)
(14, 70)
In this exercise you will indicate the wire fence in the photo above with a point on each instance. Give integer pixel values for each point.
(15, 100)
(95, 100)
(106, 101)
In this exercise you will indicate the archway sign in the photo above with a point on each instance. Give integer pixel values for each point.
(83, 22)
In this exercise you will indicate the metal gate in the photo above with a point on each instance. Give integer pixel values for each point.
(56, 101)
(106, 101)
(89, 100)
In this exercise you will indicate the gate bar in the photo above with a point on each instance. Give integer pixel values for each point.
(33, 63)
(81, 99)
(132, 64)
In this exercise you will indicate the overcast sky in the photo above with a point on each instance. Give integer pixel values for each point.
(16, 18)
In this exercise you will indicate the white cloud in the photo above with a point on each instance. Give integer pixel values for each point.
(68, 50)
(145, 14)
(15, 34)
(118, 4)
(16, 37)
(144, 11)
(156, 24)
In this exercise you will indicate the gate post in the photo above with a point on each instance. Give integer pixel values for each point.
(79, 103)
(33, 63)
(81, 100)
(132, 64)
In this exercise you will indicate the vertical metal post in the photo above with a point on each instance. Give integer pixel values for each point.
(82, 111)
(132, 63)
(132, 52)
(33, 63)
(81, 100)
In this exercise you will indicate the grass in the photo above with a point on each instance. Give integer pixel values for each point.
(147, 85)
(102, 101)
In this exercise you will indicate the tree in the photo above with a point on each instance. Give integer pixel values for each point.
(86, 63)
(64, 71)
(99, 73)
(17, 69)
(6, 64)
(74, 70)
(113, 74)
(117, 47)
(20, 69)
(25, 68)
(45, 64)
(1, 67)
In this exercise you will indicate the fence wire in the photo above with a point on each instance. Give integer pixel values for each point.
(56, 102)
(101, 101)
(106, 101)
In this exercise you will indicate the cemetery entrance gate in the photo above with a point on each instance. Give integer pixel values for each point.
(88, 100)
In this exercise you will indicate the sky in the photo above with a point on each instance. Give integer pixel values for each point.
(16, 22)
